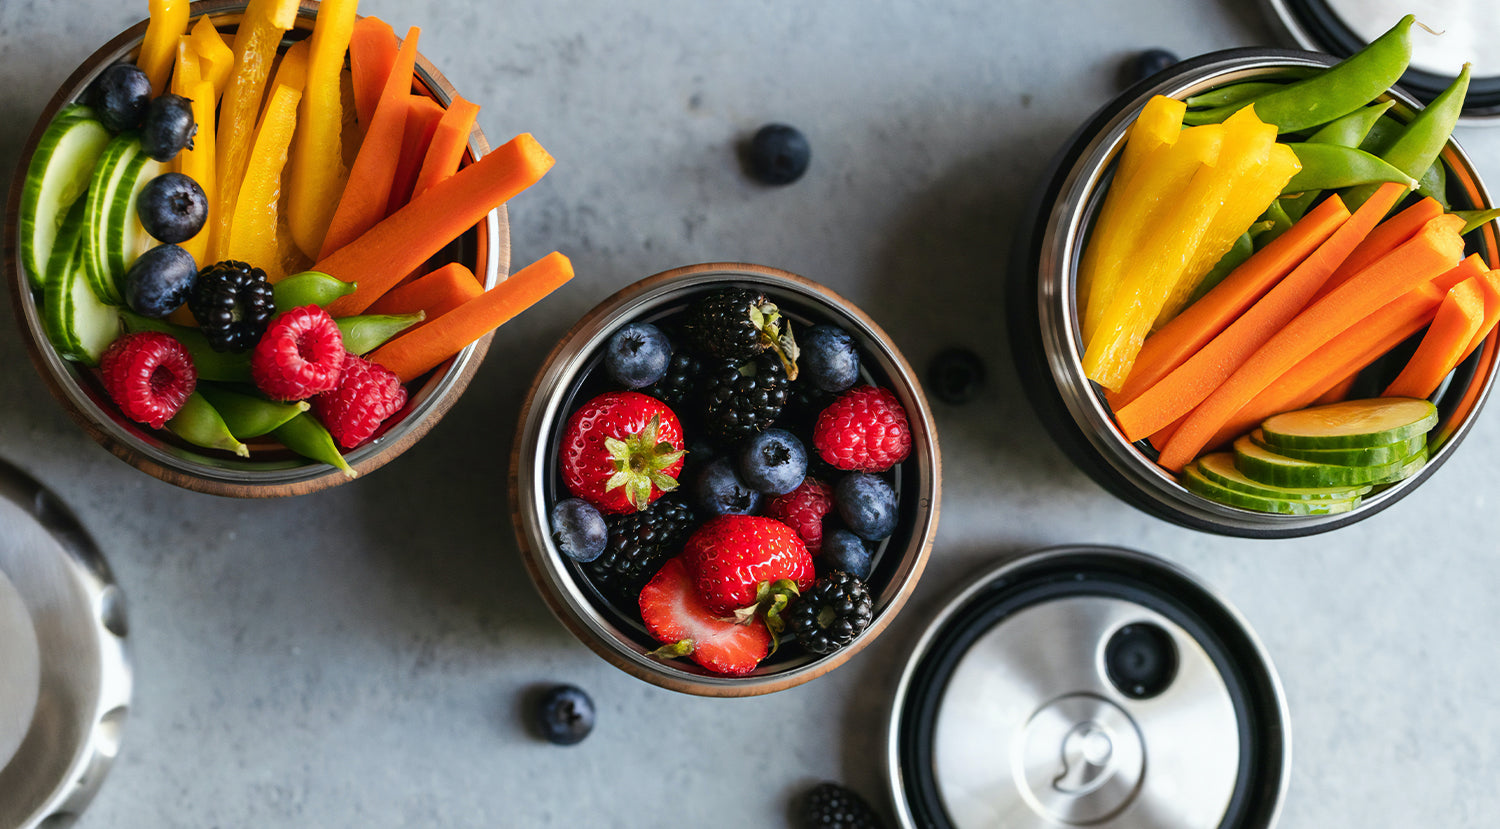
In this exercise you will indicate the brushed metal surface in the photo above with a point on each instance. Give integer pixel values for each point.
(20, 668)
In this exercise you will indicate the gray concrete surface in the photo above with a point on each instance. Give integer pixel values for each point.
(358, 658)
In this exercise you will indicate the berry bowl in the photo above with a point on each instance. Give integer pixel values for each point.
(258, 466)
(1046, 324)
(702, 393)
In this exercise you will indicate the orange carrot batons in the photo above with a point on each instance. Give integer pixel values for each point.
(1447, 339)
(446, 150)
(415, 353)
(422, 118)
(436, 293)
(1384, 239)
(372, 53)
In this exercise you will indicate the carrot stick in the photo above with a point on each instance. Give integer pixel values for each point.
(422, 118)
(390, 250)
(1457, 321)
(1384, 239)
(368, 191)
(372, 53)
(415, 353)
(1490, 282)
(1432, 251)
(1200, 322)
(1339, 391)
(446, 149)
(436, 293)
(1177, 393)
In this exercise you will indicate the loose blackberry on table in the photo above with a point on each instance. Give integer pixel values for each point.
(832, 806)
(829, 616)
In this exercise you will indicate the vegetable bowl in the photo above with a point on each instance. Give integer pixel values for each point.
(253, 464)
(643, 597)
(1354, 473)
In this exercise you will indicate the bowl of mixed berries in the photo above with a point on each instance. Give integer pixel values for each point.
(258, 247)
(725, 480)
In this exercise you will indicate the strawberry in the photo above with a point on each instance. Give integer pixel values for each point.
(677, 617)
(737, 561)
(621, 451)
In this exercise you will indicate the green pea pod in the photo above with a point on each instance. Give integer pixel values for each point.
(1297, 206)
(1331, 167)
(1231, 94)
(304, 435)
(1422, 141)
(218, 366)
(308, 288)
(1475, 219)
(199, 423)
(1352, 129)
(1276, 222)
(365, 333)
(1383, 133)
(248, 416)
(1241, 250)
(1341, 89)
(1434, 183)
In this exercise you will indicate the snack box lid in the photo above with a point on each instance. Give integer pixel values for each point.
(1462, 31)
(65, 678)
(1088, 686)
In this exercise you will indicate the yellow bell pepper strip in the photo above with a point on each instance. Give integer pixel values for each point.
(1156, 128)
(255, 46)
(167, 23)
(215, 58)
(318, 173)
(197, 163)
(1167, 238)
(253, 233)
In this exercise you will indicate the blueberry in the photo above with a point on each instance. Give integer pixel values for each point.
(773, 462)
(955, 376)
(777, 154)
(829, 357)
(867, 504)
(843, 550)
(169, 127)
(1144, 64)
(578, 529)
(159, 281)
(719, 491)
(637, 355)
(121, 95)
(565, 715)
(172, 207)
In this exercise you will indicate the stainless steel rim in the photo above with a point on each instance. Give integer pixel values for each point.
(1061, 242)
(572, 602)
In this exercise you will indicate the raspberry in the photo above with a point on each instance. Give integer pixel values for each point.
(367, 393)
(148, 375)
(865, 429)
(299, 356)
(803, 509)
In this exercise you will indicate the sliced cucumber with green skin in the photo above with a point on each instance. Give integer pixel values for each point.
(1351, 423)
(1219, 467)
(1407, 469)
(1267, 467)
(1195, 481)
(1353, 456)
(127, 238)
(116, 163)
(55, 282)
(59, 172)
(78, 324)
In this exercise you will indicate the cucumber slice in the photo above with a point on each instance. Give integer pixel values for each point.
(1353, 456)
(1267, 467)
(113, 167)
(127, 239)
(79, 325)
(59, 172)
(1197, 482)
(55, 297)
(1351, 423)
(1219, 468)
(1407, 469)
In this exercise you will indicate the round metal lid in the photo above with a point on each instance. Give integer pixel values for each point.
(1463, 31)
(1089, 686)
(65, 677)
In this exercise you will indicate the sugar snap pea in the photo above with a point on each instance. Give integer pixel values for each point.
(248, 416)
(1276, 222)
(1241, 250)
(1434, 183)
(308, 288)
(221, 366)
(1331, 167)
(367, 332)
(1231, 94)
(304, 435)
(199, 423)
(1475, 219)
(1421, 142)
(1351, 130)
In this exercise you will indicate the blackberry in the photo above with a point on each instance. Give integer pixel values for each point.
(737, 324)
(740, 400)
(829, 616)
(831, 806)
(640, 542)
(232, 303)
(676, 388)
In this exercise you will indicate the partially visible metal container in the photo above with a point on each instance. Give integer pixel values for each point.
(1089, 686)
(1044, 325)
(559, 388)
(65, 677)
